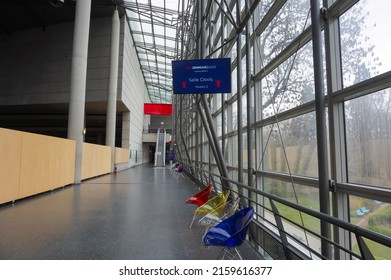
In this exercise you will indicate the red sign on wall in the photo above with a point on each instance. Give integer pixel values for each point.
(157, 109)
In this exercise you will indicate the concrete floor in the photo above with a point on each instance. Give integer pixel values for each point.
(138, 214)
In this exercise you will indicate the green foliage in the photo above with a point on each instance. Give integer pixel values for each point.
(379, 251)
(306, 196)
(380, 221)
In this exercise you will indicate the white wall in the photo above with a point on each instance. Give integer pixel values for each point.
(132, 89)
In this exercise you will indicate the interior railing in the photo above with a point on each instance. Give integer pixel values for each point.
(273, 240)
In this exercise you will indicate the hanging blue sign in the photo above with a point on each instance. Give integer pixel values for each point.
(201, 76)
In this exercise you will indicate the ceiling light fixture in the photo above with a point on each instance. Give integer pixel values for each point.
(57, 3)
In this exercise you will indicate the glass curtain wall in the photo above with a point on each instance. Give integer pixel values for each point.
(266, 128)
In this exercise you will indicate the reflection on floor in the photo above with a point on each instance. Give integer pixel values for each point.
(138, 213)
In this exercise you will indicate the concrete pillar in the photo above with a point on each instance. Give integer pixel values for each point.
(78, 80)
(113, 78)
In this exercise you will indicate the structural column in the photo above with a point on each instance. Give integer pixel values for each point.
(321, 133)
(113, 82)
(205, 115)
(239, 97)
(78, 81)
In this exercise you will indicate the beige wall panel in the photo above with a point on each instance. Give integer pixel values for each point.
(10, 153)
(85, 161)
(96, 160)
(122, 155)
(37, 164)
(65, 162)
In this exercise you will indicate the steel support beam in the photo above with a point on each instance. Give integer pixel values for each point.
(250, 109)
(239, 98)
(204, 112)
(321, 134)
(181, 130)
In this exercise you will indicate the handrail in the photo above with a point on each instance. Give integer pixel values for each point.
(359, 231)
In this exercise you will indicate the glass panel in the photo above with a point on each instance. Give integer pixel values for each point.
(373, 215)
(264, 6)
(291, 146)
(368, 139)
(233, 52)
(299, 194)
(233, 151)
(296, 15)
(244, 110)
(218, 126)
(152, 65)
(234, 119)
(243, 75)
(290, 84)
(171, 32)
(234, 82)
(205, 154)
(217, 101)
(146, 27)
(365, 45)
(244, 151)
(138, 37)
(148, 39)
(159, 41)
(151, 59)
(135, 25)
(142, 55)
(144, 63)
(233, 175)
(143, 17)
(162, 60)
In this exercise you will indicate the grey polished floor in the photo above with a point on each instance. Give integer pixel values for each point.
(138, 213)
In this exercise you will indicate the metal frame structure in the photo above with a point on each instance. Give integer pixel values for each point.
(230, 28)
(223, 138)
(156, 28)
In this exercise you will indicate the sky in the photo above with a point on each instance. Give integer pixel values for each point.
(380, 34)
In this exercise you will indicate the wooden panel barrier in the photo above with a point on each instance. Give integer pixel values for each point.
(10, 153)
(96, 160)
(32, 164)
(122, 155)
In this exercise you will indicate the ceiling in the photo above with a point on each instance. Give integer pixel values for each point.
(158, 27)
(154, 29)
